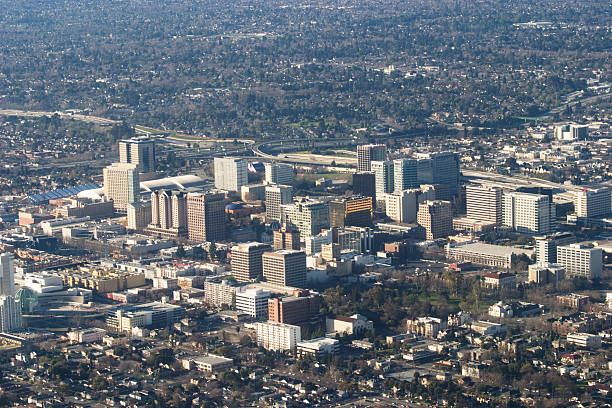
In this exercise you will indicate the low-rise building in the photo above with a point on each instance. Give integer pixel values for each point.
(425, 326)
(149, 315)
(278, 336)
(501, 310)
(253, 302)
(318, 346)
(485, 328)
(348, 324)
(499, 281)
(209, 363)
(574, 301)
(86, 335)
(584, 340)
(484, 254)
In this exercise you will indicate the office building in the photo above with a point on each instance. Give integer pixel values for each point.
(404, 174)
(437, 219)
(205, 217)
(593, 203)
(277, 336)
(122, 185)
(246, 261)
(139, 151)
(439, 168)
(209, 363)
(401, 206)
(580, 260)
(546, 246)
(484, 204)
(318, 347)
(168, 213)
(138, 215)
(286, 239)
(364, 184)
(253, 302)
(285, 267)
(527, 213)
(353, 211)
(303, 307)
(148, 315)
(230, 173)
(585, 340)
(366, 154)
(7, 274)
(275, 197)
(571, 132)
(10, 314)
(383, 173)
(309, 216)
(543, 273)
(484, 254)
(279, 174)
(253, 192)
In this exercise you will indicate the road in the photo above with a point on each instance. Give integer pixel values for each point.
(513, 180)
(76, 116)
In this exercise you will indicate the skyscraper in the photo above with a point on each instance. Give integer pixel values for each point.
(383, 173)
(139, 151)
(168, 213)
(286, 267)
(351, 211)
(10, 314)
(437, 219)
(366, 154)
(439, 168)
(122, 185)
(275, 197)
(7, 274)
(286, 239)
(246, 260)
(527, 213)
(309, 216)
(277, 173)
(364, 183)
(205, 217)
(404, 174)
(402, 206)
(484, 203)
(231, 173)
(593, 203)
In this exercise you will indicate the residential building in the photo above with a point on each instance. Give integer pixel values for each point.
(351, 211)
(246, 261)
(278, 336)
(404, 174)
(139, 151)
(364, 183)
(231, 173)
(584, 340)
(121, 185)
(219, 292)
(501, 310)
(168, 213)
(309, 216)
(138, 215)
(484, 203)
(205, 217)
(593, 203)
(10, 314)
(348, 324)
(253, 302)
(580, 260)
(286, 267)
(425, 326)
(275, 197)
(366, 154)
(277, 173)
(574, 301)
(7, 274)
(437, 219)
(401, 206)
(383, 175)
(303, 307)
(528, 213)
(318, 346)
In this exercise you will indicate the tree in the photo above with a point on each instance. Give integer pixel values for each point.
(180, 251)
(212, 250)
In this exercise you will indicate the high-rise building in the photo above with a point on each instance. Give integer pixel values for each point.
(277, 336)
(279, 174)
(309, 216)
(253, 302)
(303, 307)
(10, 314)
(231, 173)
(355, 211)
(122, 185)
(364, 183)
(383, 173)
(527, 213)
(439, 168)
(437, 219)
(139, 151)
(401, 206)
(275, 197)
(366, 154)
(138, 215)
(7, 274)
(286, 267)
(404, 174)
(253, 192)
(168, 213)
(546, 247)
(484, 203)
(580, 260)
(205, 217)
(571, 132)
(246, 261)
(593, 203)
(286, 239)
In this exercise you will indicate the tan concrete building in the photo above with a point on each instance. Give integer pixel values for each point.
(206, 217)
(437, 219)
(286, 267)
(246, 261)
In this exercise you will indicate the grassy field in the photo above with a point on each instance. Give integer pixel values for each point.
(326, 176)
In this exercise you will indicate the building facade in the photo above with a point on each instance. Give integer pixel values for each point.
(401, 206)
(527, 213)
(404, 174)
(437, 219)
(277, 336)
(139, 151)
(122, 185)
(309, 216)
(253, 302)
(364, 183)
(355, 211)
(593, 203)
(484, 203)
(230, 173)
(276, 173)
(246, 261)
(580, 260)
(366, 154)
(275, 197)
(285, 267)
(205, 217)
(384, 179)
